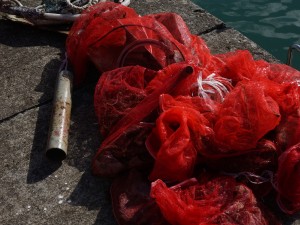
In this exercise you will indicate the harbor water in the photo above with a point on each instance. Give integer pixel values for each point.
(274, 25)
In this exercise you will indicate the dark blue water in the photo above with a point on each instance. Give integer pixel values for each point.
(274, 25)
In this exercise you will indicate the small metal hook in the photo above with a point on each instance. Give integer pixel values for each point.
(291, 48)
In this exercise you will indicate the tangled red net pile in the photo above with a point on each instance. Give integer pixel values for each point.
(168, 107)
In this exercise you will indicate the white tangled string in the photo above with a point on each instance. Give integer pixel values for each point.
(213, 86)
(50, 11)
(84, 4)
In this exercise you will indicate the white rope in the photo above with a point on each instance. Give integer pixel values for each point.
(79, 7)
(220, 86)
(75, 6)
(124, 2)
(17, 2)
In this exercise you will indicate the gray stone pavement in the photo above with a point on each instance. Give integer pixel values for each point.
(34, 190)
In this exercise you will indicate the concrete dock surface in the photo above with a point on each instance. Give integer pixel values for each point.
(34, 190)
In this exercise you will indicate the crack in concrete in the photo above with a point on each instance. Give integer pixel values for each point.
(220, 27)
(75, 91)
(25, 110)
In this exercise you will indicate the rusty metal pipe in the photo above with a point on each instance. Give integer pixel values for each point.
(59, 128)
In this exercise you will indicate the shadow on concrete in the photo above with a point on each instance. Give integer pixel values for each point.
(84, 135)
(106, 216)
(48, 80)
(39, 166)
(93, 193)
(17, 36)
(84, 138)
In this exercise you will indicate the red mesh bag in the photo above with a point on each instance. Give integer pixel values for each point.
(206, 108)
(240, 65)
(200, 50)
(288, 182)
(117, 151)
(180, 132)
(111, 42)
(130, 194)
(175, 25)
(210, 87)
(189, 86)
(281, 73)
(111, 36)
(144, 41)
(247, 114)
(288, 131)
(178, 28)
(252, 167)
(175, 141)
(117, 92)
(263, 157)
(218, 201)
(216, 64)
(86, 26)
(288, 99)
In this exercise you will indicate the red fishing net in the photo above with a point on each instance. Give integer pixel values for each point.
(92, 26)
(287, 180)
(132, 203)
(262, 158)
(117, 92)
(175, 141)
(126, 136)
(111, 35)
(167, 106)
(247, 114)
(217, 201)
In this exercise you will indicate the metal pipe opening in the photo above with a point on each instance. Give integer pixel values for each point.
(60, 122)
